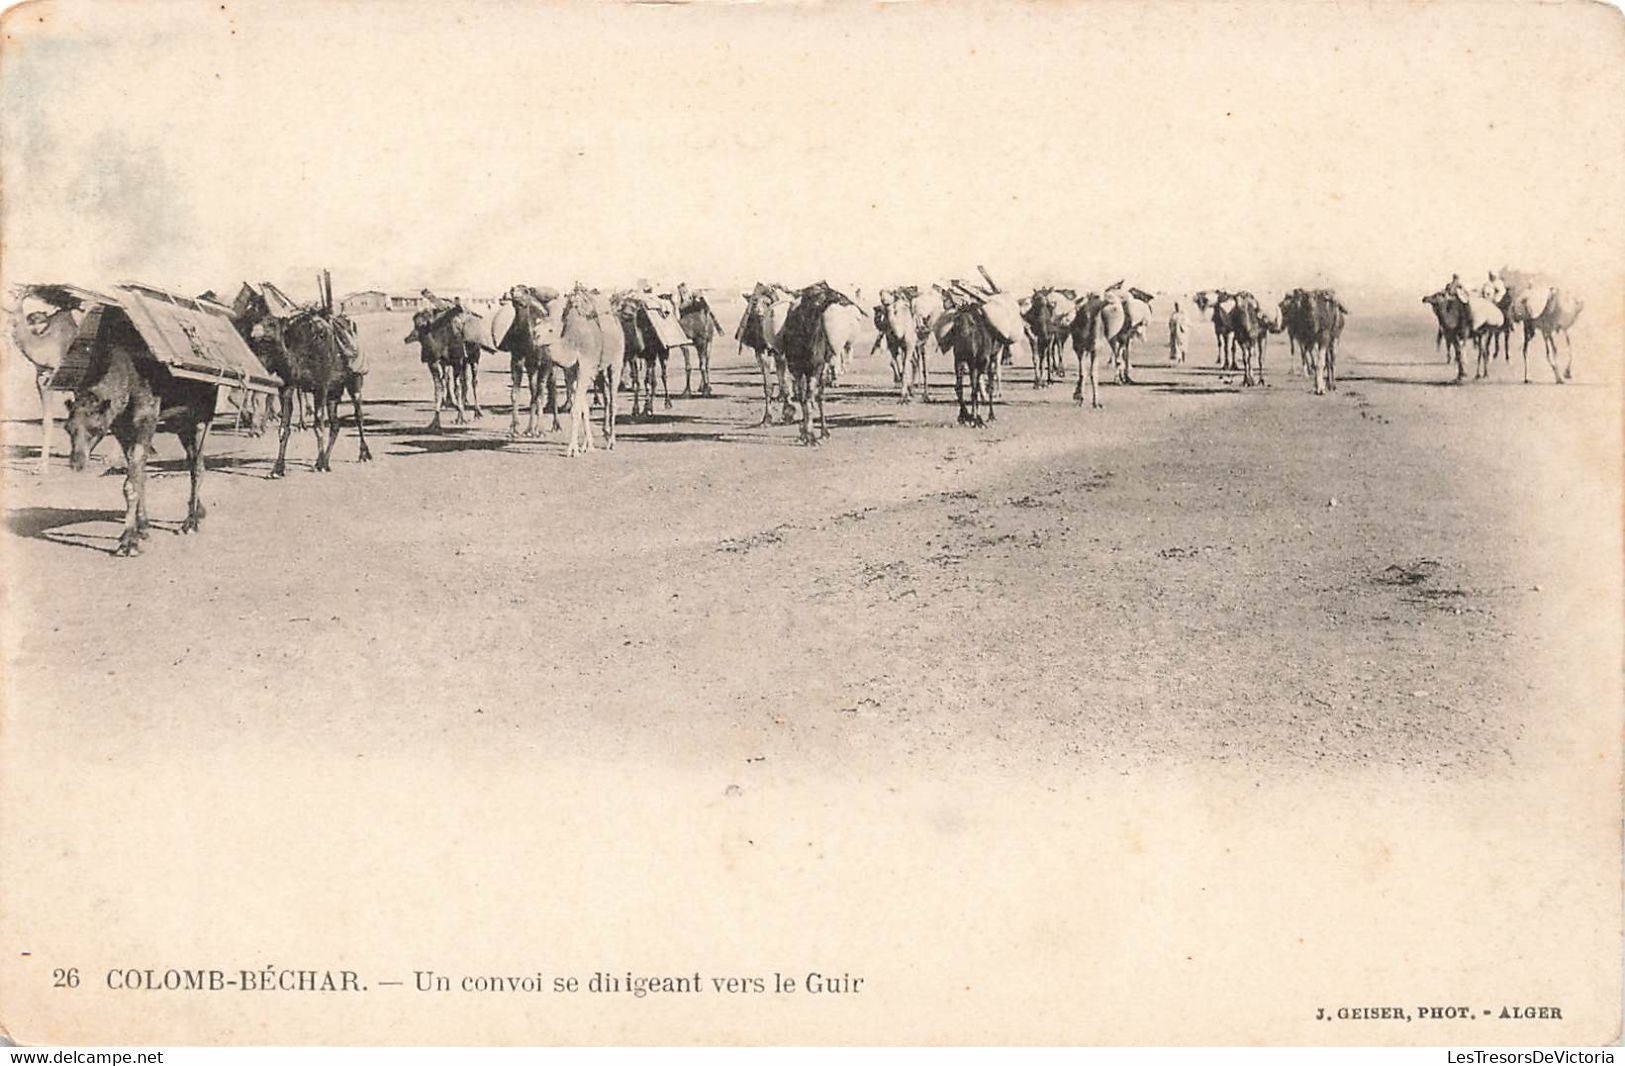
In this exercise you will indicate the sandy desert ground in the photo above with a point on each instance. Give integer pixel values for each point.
(1195, 571)
(1384, 586)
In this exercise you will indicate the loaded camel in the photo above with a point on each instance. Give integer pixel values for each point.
(131, 395)
(315, 351)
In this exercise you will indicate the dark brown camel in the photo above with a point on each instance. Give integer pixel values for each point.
(645, 351)
(527, 340)
(1451, 315)
(315, 351)
(1218, 304)
(443, 352)
(131, 395)
(808, 351)
(1049, 320)
(976, 347)
(1314, 319)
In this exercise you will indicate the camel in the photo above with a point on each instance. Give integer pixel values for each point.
(701, 327)
(1561, 311)
(1547, 310)
(1000, 311)
(131, 395)
(1115, 328)
(469, 328)
(1249, 334)
(1087, 332)
(43, 338)
(589, 350)
(761, 329)
(841, 330)
(1314, 319)
(314, 351)
(812, 329)
(533, 330)
(1484, 323)
(927, 308)
(463, 338)
(976, 345)
(443, 351)
(643, 343)
(900, 331)
(1451, 316)
(1218, 304)
(1049, 319)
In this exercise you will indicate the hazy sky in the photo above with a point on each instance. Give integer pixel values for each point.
(477, 144)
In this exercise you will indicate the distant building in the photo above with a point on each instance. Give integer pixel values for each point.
(360, 303)
(468, 299)
(404, 302)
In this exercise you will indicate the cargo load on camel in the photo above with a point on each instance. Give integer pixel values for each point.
(194, 339)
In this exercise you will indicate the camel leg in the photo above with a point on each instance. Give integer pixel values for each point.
(355, 387)
(767, 389)
(280, 467)
(42, 378)
(609, 407)
(823, 426)
(474, 385)
(1094, 382)
(434, 376)
(1550, 339)
(135, 492)
(516, 379)
(533, 378)
(688, 374)
(665, 388)
(574, 447)
(1568, 363)
(317, 416)
(924, 351)
(789, 413)
(331, 401)
(581, 405)
(192, 436)
(804, 387)
(959, 390)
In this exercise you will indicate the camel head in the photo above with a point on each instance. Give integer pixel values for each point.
(266, 330)
(90, 415)
(44, 336)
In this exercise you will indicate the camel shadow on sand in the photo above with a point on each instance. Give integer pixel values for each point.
(438, 444)
(54, 525)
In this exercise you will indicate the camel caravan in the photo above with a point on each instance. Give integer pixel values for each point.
(136, 360)
(1488, 316)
